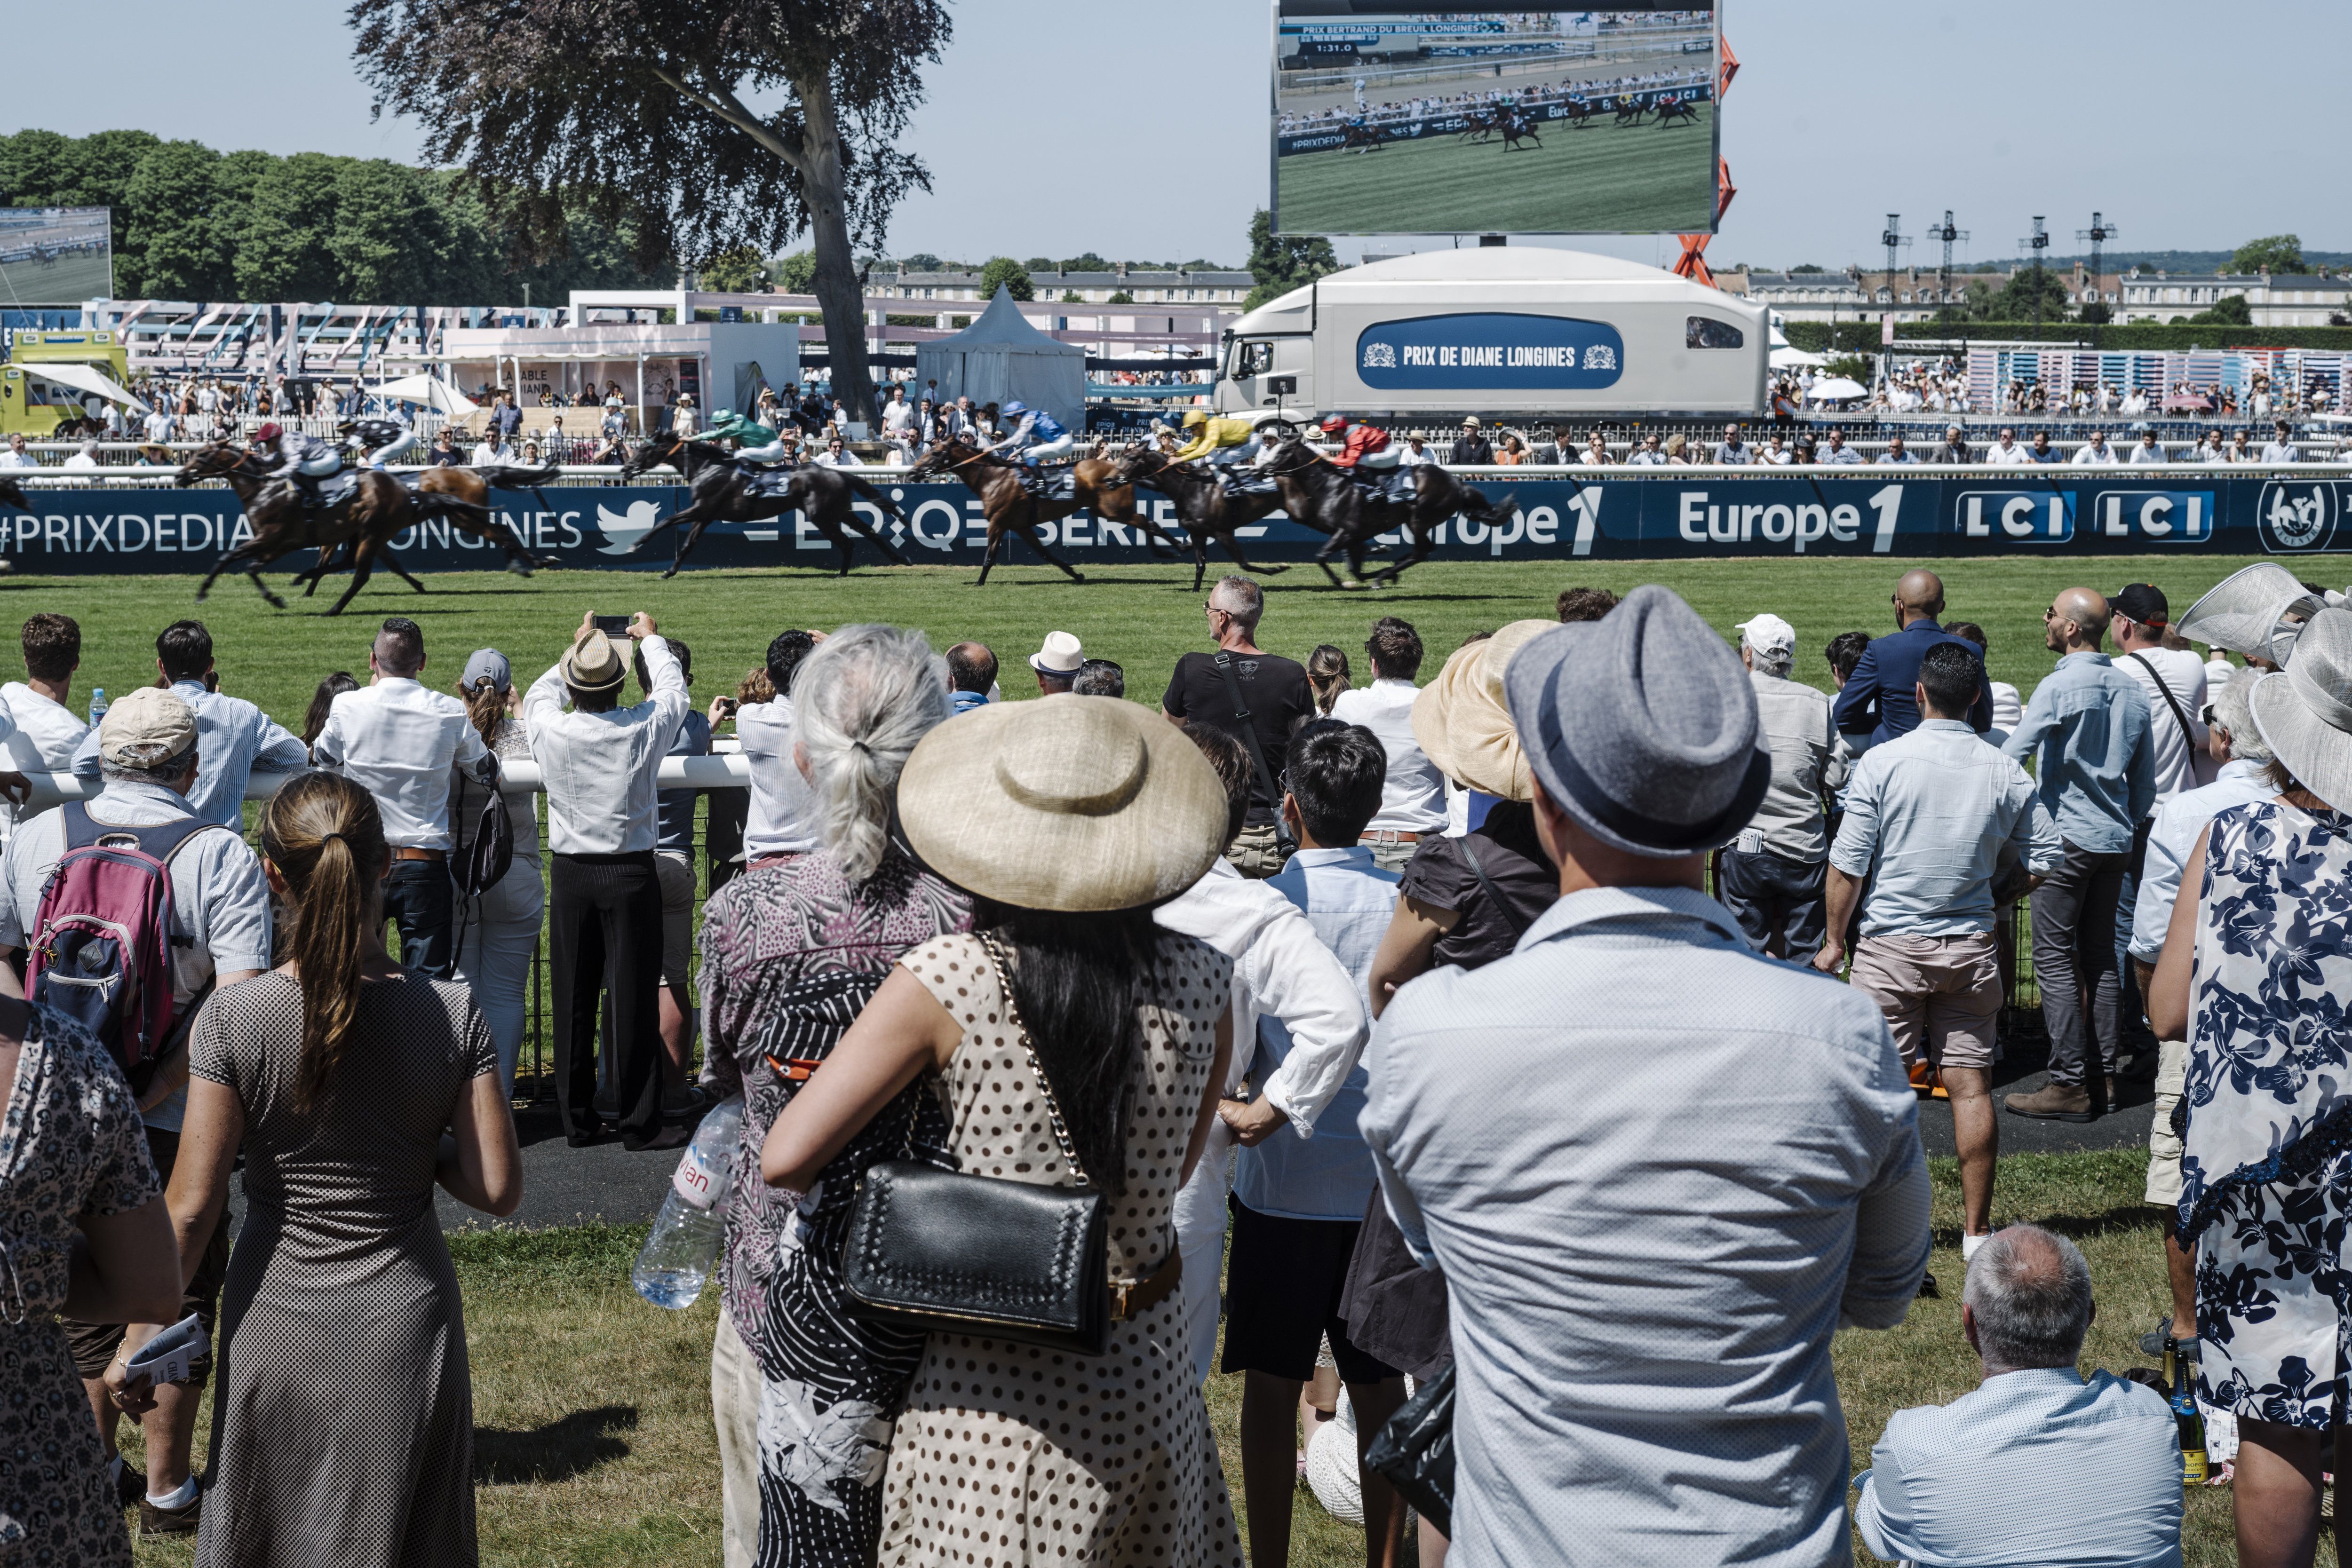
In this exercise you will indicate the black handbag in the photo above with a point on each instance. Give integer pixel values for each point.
(951, 1253)
(1415, 1450)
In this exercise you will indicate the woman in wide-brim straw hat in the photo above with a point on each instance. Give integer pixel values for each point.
(1068, 820)
(2254, 972)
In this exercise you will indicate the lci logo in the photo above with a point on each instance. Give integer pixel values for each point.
(2298, 515)
(2048, 516)
(1489, 349)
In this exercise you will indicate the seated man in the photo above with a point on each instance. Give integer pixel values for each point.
(2039, 1465)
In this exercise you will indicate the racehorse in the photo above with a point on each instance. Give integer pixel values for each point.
(1575, 111)
(722, 490)
(378, 506)
(1363, 137)
(1320, 495)
(1477, 124)
(1202, 505)
(1517, 128)
(1630, 112)
(1673, 112)
(472, 486)
(1094, 481)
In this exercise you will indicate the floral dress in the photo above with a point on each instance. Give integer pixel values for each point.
(2266, 1166)
(71, 1145)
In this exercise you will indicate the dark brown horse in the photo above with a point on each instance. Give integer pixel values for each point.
(1203, 506)
(1320, 495)
(13, 495)
(721, 489)
(1096, 483)
(468, 488)
(378, 506)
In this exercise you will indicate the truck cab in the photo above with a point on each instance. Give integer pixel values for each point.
(54, 378)
(1266, 364)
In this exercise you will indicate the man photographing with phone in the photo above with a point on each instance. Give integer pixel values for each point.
(604, 912)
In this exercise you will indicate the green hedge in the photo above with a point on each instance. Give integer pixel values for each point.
(1862, 337)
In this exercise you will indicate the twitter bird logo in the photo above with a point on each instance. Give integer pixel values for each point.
(622, 533)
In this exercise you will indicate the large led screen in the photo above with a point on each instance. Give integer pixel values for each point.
(1493, 119)
(55, 256)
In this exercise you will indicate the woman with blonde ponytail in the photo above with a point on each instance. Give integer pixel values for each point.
(342, 1428)
(790, 952)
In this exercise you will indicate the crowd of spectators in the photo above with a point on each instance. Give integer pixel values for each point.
(1374, 1003)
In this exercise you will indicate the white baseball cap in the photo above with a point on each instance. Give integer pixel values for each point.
(1768, 633)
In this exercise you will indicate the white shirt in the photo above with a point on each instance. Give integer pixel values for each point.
(80, 460)
(158, 426)
(1776, 457)
(2281, 452)
(12, 458)
(2175, 753)
(2009, 454)
(2088, 455)
(599, 767)
(1412, 797)
(898, 416)
(845, 458)
(781, 816)
(2145, 454)
(2171, 838)
(40, 734)
(398, 740)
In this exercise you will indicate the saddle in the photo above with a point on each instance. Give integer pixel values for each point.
(1388, 486)
(1059, 483)
(769, 483)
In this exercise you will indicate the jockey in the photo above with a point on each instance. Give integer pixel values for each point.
(1221, 440)
(757, 444)
(1038, 437)
(380, 440)
(302, 459)
(1366, 452)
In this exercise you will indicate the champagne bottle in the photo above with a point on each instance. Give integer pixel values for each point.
(2185, 1414)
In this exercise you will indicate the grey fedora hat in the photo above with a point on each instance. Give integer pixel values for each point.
(1643, 726)
(2305, 711)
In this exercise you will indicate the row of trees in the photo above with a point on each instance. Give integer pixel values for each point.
(191, 223)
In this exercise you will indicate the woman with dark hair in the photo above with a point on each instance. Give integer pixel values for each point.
(1071, 1042)
(342, 1423)
(321, 700)
(497, 929)
(1327, 676)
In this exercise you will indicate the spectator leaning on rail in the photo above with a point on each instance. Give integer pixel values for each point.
(400, 741)
(1508, 1105)
(235, 739)
(150, 756)
(1471, 448)
(2039, 1464)
(1934, 822)
(1877, 703)
(1732, 449)
(1770, 877)
(604, 925)
(1412, 794)
(1955, 448)
(44, 733)
(2006, 453)
(2089, 732)
(498, 928)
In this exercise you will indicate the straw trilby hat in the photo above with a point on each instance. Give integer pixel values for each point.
(594, 664)
(1462, 724)
(2247, 613)
(1073, 804)
(2305, 711)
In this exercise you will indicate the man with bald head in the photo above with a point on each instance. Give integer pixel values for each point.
(2088, 736)
(1878, 702)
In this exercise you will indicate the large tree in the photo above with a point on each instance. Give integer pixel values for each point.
(1280, 263)
(644, 111)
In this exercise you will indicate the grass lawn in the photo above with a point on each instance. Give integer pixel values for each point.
(1141, 616)
(594, 1445)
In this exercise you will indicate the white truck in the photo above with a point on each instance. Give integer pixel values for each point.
(1507, 331)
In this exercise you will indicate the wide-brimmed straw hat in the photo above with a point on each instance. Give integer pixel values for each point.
(2305, 711)
(2247, 613)
(594, 664)
(1462, 724)
(1088, 804)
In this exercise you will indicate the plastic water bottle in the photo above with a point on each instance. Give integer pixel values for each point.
(98, 705)
(678, 1255)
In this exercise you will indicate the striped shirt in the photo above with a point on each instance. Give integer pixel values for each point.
(2037, 1467)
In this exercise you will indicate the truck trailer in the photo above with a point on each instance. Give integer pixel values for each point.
(1507, 331)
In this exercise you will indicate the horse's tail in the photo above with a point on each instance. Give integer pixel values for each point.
(867, 492)
(432, 504)
(1494, 509)
(514, 477)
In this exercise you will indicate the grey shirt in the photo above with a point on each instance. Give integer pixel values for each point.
(1648, 1241)
(1928, 816)
(1807, 763)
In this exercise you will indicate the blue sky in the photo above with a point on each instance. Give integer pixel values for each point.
(1134, 128)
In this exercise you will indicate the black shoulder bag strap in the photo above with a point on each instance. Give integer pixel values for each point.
(1224, 662)
(2170, 701)
(1493, 894)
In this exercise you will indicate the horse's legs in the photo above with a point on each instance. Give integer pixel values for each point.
(686, 542)
(1039, 545)
(988, 557)
(871, 532)
(363, 567)
(1234, 550)
(386, 557)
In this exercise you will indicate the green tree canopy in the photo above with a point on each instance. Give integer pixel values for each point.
(2273, 252)
(2230, 310)
(1282, 262)
(1005, 271)
(736, 271)
(796, 273)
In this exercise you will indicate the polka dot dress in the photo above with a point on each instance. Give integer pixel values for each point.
(1012, 1454)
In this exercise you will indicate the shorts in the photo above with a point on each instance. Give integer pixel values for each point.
(1257, 851)
(674, 871)
(1283, 1281)
(2163, 1142)
(94, 1345)
(1940, 994)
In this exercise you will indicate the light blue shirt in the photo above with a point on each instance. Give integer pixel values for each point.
(1648, 1242)
(1927, 817)
(2087, 730)
(2038, 1468)
(235, 740)
(1349, 900)
(2173, 835)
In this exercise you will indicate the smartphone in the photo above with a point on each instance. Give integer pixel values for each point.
(727, 704)
(613, 625)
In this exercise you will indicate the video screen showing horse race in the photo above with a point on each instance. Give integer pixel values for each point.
(55, 256)
(1493, 119)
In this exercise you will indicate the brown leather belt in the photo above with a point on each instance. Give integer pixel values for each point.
(1388, 836)
(409, 854)
(1131, 1299)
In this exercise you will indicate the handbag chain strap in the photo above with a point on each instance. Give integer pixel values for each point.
(1037, 1069)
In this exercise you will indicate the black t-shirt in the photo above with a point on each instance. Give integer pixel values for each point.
(1507, 846)
(1273, 689)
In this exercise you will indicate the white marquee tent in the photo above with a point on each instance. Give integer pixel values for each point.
(1001, 356)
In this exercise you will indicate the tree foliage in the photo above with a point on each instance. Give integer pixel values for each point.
(2230, 310)
(1282, 262)
(736, 271)
(640, 111)
(2272, 253)
(1002, 270)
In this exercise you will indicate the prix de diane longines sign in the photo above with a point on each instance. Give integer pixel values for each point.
(1556, 514)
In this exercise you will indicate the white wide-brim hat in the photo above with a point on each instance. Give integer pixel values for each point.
(2247, 613)
(2305, 712)
(1462, 724)
(1070, 803)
